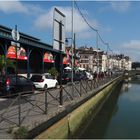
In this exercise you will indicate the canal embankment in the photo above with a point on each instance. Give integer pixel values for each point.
(119, 117)
(68, 122)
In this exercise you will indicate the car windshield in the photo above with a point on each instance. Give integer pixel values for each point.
(36, 78)
(48, 76)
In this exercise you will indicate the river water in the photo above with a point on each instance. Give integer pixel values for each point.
(120, 116)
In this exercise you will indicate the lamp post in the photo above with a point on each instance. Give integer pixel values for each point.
(67, 41)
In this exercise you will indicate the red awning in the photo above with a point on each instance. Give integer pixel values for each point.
(65, 60)
(21, 53)
(48, 57)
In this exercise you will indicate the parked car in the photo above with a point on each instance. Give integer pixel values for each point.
(89, 76)
(82, 75)
(44, 81)
(12, 85)
(66, 77)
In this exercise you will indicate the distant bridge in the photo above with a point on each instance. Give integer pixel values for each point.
(134, 72)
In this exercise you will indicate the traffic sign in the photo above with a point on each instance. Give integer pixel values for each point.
(15, 35)
(15, 44)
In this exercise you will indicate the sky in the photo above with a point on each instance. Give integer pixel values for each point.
(117, 22)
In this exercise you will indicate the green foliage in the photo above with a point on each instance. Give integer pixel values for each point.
(21, 133)
(2, 63)
(53, 71)
(8, 62)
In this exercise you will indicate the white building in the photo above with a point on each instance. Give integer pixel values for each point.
(96, 60)
(104, 62)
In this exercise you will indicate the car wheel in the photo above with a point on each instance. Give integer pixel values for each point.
(33, 88)
(12, 93)
(45, 86)
(56, 85)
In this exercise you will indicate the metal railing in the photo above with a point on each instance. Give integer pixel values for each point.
(31, 109)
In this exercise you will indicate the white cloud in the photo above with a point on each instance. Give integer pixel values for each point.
(46, 20)
(120, 6)
(86, 35)
(12, 7)
(35, 9)
(131, 48)
(133, 44)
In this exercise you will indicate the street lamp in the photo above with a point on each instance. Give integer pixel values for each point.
(67, 41)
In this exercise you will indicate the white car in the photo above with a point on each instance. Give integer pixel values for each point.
(44, 81)
(89, 76)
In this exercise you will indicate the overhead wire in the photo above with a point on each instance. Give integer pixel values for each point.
(94, 29)
(84, 17)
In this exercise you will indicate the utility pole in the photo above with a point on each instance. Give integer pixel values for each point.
(72, 39)
(74, 48)
(16, 50)
(61, 63)
(107, 57)
(97, 51)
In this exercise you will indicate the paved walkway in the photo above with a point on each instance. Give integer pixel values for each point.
(31, 110)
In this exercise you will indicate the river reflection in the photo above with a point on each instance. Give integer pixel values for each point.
(99, 125)
(119, 118)
(126, 87)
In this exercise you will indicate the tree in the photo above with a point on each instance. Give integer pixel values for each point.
(53, 72)
(4, 64)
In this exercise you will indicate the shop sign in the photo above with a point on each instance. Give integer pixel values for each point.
(48, 57)
(21, 53)
(15, 44)
(65, 60)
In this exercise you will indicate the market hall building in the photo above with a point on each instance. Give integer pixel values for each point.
(33, 56)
